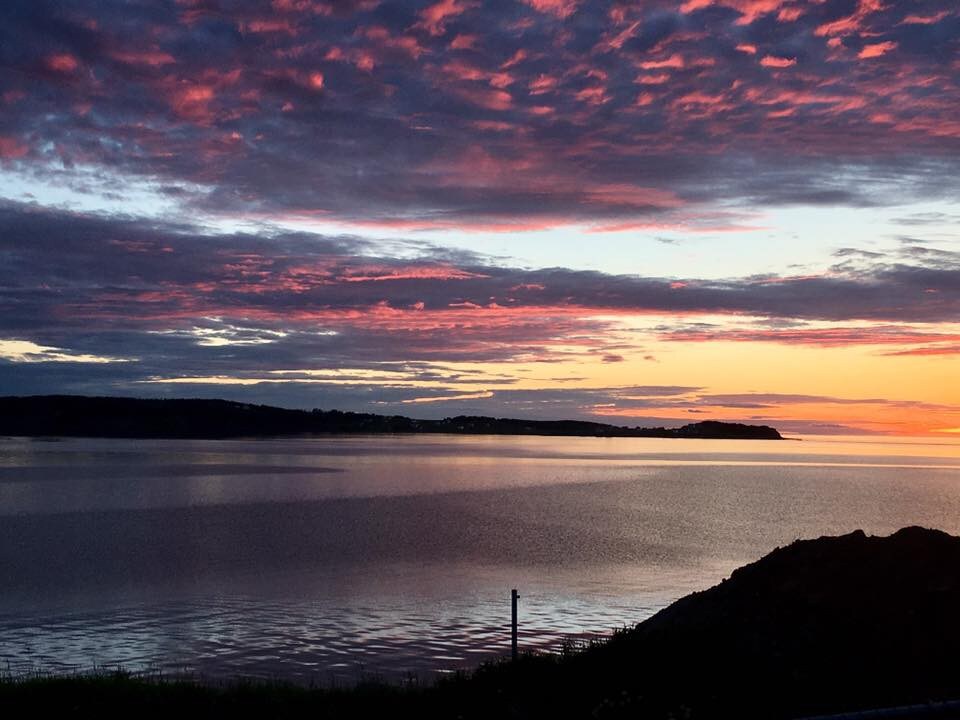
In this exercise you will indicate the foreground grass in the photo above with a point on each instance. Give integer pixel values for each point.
(496, 688)
(120, 694)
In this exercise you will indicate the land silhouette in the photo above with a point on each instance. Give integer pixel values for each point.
(120, 417)
(836, 624)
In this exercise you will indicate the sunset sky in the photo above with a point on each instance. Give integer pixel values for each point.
(641, 213)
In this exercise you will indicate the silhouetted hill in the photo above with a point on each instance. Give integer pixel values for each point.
(78, 416)
(822, 626)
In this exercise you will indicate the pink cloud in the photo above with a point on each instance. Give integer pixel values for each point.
(749, 10)
(542, 84)
(518, 57)
(494, 125)
(615, 42)
(191, 102)
(851, 23)
(789, 14)
(777, 114)
(460, 70)
(364, 61)
(560, 8)
(710, 102)
(877, 49)
(384, 39)
(934, 127)
(62, 63)
(268, 26)
(644, 99)
(380, 273)
(655, 79)
(433, 18)
(777, 62)
(815, 102)
(463, 42)
(541, 110)
(595, 95)
(674, 61)
(153, 58)
(925, 19)
(11, 148)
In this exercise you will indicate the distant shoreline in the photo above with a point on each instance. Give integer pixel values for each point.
(47, 416)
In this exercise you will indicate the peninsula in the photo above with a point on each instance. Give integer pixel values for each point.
(120, 417)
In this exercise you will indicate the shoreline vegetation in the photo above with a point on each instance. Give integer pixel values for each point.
(837, 624)
(120, 417)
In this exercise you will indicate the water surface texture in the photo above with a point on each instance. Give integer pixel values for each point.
(327, 560)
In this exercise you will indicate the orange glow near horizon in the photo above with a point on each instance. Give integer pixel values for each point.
(857, 388)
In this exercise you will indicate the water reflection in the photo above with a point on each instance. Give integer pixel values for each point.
(324, 559)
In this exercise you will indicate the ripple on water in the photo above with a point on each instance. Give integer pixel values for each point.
(240, 637)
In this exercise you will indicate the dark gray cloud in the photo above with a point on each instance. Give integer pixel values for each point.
(176, 301)
(498, 113)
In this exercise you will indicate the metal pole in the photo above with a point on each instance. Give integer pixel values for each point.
(513, 626)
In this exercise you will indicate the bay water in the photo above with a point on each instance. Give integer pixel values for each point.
(335, 559)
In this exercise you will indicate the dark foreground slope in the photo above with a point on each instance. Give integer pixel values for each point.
(821, 626)
(78, 416)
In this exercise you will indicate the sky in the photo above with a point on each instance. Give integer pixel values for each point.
(644, 213)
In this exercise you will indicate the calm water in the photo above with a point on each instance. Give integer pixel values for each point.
(330, 559)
